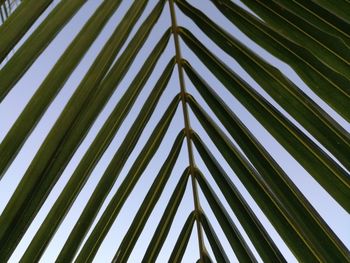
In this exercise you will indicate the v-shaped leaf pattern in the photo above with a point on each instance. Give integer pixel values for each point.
(312, 37)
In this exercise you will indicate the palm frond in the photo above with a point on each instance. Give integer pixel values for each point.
(229, 170)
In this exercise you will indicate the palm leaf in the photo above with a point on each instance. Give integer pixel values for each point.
(237, 242)
(331, 50)
(35, 44)
(302, 216)
(53, 83)
(166, 220)
(182, 241)
(19, 23)
(88, 163)
(218, 250)
(274, 121)
(320, 17)
(113, 170)
(148, 204)
(257, 234)
(341, 9)
(334, 89)
(37, 173)
(312, 37)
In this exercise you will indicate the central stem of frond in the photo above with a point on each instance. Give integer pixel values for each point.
(187, 123)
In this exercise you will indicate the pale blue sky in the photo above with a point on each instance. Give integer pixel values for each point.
(11, 107)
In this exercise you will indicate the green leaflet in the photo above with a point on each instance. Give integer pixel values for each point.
(319, 17)
(110, 175)
(256, 154)
(335, 88)
(341, 8)
(326, 47)
(328, 173)
(286, 231)
(148, 204)
(265, 246)
(182, 241)
(19, 23)
(164, 225)
(270, 171)
(320, 125)
(233, 235)
(214, 241)
(36, 44)
(306, 222)
(52, 84)
(57, 148)
(97, 148)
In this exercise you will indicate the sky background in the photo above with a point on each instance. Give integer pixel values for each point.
(14, 103)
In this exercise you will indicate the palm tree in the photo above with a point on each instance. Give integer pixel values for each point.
(311, 37)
